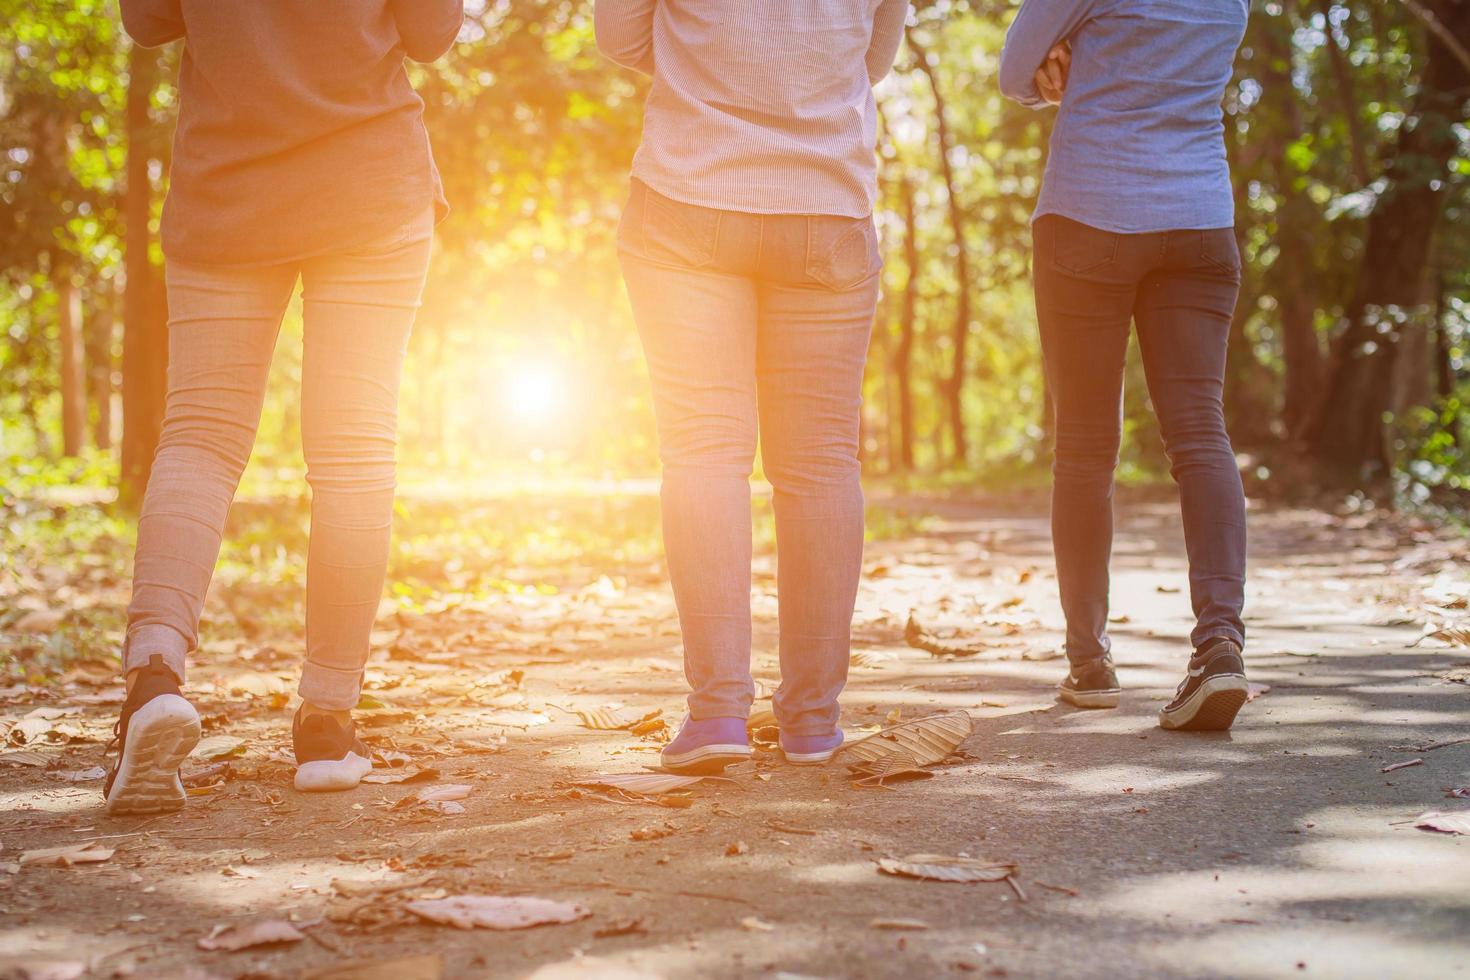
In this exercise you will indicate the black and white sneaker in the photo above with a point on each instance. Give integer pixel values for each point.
(1093, 685)
(328, 756)
(155, 733)
(1212, 692)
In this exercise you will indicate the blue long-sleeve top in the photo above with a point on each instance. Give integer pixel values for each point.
(1138, 144)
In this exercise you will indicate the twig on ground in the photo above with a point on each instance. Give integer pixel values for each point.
(1402, 765)
(1057, 888)
(1015, 887)
(1430, 747)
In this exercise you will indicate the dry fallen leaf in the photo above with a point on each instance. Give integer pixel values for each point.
(938, 867)
(496, 911)
(39, 621)
(926, 741)
(25, 757)
(613, 719)
(406, 774)
(427, 967)
(1457, 636)
(1457, 822)
(243, 936)
(646, 783)
(899, 767)
(219, 747)
(753, 924)
(760, 718)
(920, 638)
(444, 794)
(68, 855)
(1254, 690)
(39, 969)
(914, 925)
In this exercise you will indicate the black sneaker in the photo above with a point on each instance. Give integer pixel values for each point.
(328, 756)
(1211, 693)
(155, 733)
(1093, 685)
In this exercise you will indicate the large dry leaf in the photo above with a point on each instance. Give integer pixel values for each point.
(926, 741)
(938, 867)
(264, 933)
(1457, 822)
(895, 768)
(219, 747)
(39, 969)
(613, 719)
(407, 774)
(25, 757)
(68, 855)
(645, 783)
(920, 638)
(426, 967)
(444, 794)
(1457, 636)
(497, 911)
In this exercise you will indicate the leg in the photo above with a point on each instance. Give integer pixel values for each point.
(359, 308)
(813, 347)
(1184, 314)
(699, 335)
(222, 329)
(1084, 321)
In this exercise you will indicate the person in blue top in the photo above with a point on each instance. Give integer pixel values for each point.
(1134, 227)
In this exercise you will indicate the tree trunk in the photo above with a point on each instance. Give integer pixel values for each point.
(903, 352)
(145, 314)
(1444, 367)
(954, 384)
(1347, 433)
(100, 329)
(73, 378)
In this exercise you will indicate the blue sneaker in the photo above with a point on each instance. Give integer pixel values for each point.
(707, 746)
(810, 750)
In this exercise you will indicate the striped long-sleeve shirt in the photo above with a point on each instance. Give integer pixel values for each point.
(761, 106)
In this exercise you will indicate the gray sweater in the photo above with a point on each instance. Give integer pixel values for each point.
(762, 106)
(299, 133)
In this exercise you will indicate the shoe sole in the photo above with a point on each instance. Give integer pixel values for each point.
(1210, 709)
(809, 758)
(332, 775)
(1091, 699)
(161, 735)
(706, 760)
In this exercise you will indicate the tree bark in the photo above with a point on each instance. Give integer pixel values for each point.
(100, 329)
(145, 314)
(1348, 434)
(954, 384)
(73, 378)
(902, 361)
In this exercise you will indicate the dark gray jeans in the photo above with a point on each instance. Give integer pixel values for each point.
(1179, 288)
(757, 325)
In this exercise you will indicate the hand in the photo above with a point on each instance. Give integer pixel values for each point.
(1051, 77)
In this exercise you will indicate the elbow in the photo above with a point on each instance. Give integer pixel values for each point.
(148, 31)
(1018, 84)
(435, 46)
(622, 47)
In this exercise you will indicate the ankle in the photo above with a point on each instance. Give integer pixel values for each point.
(341, 717)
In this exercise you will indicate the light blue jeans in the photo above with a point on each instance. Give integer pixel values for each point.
(359, 307)
(757, 326)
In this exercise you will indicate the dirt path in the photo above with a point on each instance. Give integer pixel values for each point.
(1279, 849)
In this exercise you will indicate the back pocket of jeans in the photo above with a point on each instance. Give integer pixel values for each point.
(842, 252)
(1219, 248)
(1079, 248)
(677, 233)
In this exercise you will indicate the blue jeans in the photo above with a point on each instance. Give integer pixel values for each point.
(757, 325)
(1179, 288)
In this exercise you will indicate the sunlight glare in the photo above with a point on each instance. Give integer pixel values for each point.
(535, 393)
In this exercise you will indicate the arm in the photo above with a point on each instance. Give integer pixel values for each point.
(888, 23)
(427, 28)
(151, 23)
(1039, 26)
(625, 32)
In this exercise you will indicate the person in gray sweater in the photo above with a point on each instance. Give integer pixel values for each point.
(300, 153)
